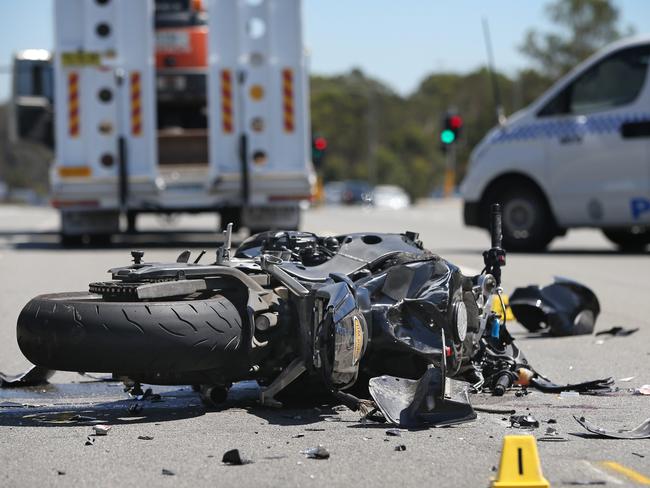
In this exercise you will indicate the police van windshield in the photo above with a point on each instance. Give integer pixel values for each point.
(614, 81)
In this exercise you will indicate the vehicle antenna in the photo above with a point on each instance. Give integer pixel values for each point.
(496, 94)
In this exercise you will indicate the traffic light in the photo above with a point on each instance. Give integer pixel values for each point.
(318, 148)
(451, 128)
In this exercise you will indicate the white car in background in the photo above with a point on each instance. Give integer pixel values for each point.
(390, 196)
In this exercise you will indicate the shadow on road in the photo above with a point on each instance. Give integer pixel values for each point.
(174, 405)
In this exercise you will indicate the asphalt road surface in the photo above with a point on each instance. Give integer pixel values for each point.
(41, 446)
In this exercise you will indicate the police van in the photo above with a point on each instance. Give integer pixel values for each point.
(578, 156)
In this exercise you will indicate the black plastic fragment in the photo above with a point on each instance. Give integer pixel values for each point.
(593, 387)
(233, 457)
(562, 308)
(414, 403)
(524, 422)
(393, 432)
(400, 447)
(168, 472)
(617, 331)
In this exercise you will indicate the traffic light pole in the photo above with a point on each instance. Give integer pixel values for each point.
(450, 171)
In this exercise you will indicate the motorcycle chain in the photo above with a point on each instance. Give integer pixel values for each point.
(120, 289)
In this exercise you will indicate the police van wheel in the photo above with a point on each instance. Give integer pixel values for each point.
(527, 222)
(630, 240)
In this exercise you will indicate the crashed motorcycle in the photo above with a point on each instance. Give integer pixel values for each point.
(347, 315)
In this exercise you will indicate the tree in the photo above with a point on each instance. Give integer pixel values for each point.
(585, 26)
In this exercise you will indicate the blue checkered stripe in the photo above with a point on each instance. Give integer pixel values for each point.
(595, 124)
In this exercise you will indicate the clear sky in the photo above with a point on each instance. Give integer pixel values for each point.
(397, 41)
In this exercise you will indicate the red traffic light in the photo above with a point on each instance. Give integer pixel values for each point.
(455, 122)
(320, 143)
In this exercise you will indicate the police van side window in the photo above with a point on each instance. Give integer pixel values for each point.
(616, 80)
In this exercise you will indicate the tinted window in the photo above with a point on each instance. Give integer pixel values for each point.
(614, 81)
(33, 78)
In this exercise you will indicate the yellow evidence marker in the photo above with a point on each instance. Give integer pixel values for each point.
(520, 466)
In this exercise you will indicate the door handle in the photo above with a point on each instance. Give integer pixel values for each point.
(630, 130)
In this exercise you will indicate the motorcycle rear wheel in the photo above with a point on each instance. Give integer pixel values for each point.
(83, 332)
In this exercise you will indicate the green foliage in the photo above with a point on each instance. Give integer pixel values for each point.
(584, 27)
(376, 135)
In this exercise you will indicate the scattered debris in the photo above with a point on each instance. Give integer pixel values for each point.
(89, 441)
(642, 431)
(318, 452)
(233, 457)
(102, 429)
(638, 454)
(552, 435)
(400, 447)
(148, 395)
(628, 378)
(297, 436)
(314, 429)
(585, 483)
(502, 411)
(61, 418)
(145, 437)
(551, 421)
(617, 331)
(604, 385)
(642, 390)
(168, 472)
(562, 308)
(393, 432)
(59, 472)
(524, 422)
(33, 377)
(569, 394)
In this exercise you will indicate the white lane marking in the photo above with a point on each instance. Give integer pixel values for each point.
(602, 473)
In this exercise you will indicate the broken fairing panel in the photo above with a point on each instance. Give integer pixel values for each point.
(641, 431)
(562, 308)
(415, 403)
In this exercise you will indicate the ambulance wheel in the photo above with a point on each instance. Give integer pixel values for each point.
(527, 221)
(630, 240)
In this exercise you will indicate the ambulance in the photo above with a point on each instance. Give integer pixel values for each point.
(578, 156)
(108, 149)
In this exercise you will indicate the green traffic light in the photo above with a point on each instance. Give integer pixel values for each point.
(447, 136)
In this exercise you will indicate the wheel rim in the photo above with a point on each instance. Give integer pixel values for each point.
(519, 217)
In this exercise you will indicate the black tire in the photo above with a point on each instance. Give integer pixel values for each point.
(99, 240)
(70, 240)
(83, 332)
(629, 240)
(527, 221)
